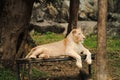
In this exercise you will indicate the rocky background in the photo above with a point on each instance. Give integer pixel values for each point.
(52, 15)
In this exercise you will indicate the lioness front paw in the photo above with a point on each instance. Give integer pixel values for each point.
(32, 56)
(89, 61)
(79, 65)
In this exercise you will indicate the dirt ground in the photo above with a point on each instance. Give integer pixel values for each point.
(62, 70)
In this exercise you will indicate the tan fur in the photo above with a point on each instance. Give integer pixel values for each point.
(70, 46)
(65, 41)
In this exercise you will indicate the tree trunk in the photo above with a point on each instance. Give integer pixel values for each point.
(73, 17)
(14, 19)
(101, 62)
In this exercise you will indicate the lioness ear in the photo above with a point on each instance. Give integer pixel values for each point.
(73, 31)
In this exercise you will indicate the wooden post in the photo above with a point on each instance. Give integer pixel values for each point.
(101, 48)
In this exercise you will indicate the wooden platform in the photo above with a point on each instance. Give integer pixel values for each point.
(23, 62)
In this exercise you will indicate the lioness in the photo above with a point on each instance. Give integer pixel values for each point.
(70, 46)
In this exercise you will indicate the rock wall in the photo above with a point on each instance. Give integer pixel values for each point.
(56, 14)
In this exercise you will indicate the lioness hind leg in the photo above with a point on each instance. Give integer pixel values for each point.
(44, 56)
(36, 53)
(30, 53)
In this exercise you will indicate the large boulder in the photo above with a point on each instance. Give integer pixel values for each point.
(37, 13)
(88, 10)
(114, 6)
(45, 26)
(63, 11)
(113, 17)
(113, 28)
(88, 27)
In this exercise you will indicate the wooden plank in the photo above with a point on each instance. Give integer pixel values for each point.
(37, 60)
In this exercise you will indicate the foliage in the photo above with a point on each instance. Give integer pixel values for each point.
(114, 64)
(91, 42)
(113, 43)
(46, 38)
(6, 74)
(36, 73)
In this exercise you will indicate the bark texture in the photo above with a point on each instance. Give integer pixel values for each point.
(73, 18)
(101, 62)
(14, 20)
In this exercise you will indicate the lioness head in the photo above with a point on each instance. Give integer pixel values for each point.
(77, 35)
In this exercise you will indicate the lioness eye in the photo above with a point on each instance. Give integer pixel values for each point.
(79, 33)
